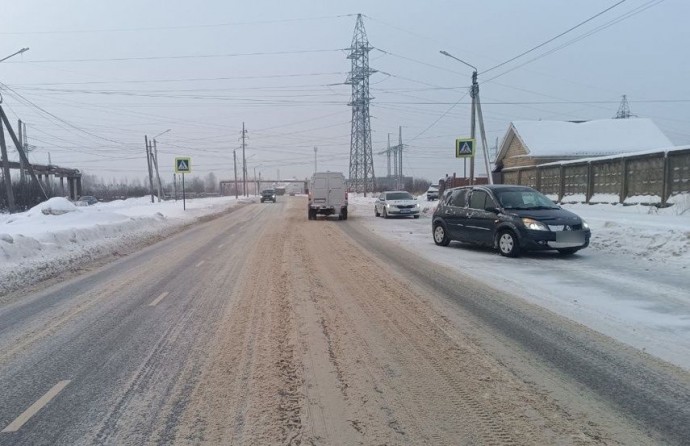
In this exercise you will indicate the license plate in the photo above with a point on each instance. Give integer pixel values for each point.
(570, 237)
(319, 200)
(404, 211)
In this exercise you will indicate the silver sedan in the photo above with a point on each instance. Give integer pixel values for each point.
(396, 204)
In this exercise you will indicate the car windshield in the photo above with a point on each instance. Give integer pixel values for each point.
(524, 199)
(268, 192)
(399, 196)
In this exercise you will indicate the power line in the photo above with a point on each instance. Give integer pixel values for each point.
(178, 27)
(555, 37)
(198, 79)
(185, 56)
(602, 27)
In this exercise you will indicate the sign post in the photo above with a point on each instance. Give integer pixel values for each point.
(183, 164)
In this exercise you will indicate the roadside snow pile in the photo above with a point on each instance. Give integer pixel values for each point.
(54, 206)
(57, 236)
(646, 232)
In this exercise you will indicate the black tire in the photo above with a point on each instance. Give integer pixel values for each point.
(385, 214)
(508, 244)
(568, 251)
(344, 213)
(416, 216)
(440, 236)
(376, 212)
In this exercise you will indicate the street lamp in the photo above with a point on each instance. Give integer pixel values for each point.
(23, 50)
(163, 133)
(476, 108)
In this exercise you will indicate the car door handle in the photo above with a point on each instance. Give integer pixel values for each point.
(447, 212)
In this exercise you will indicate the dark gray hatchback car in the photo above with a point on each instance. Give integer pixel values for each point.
(508, 218)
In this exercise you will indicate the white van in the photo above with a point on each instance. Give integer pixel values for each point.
(327, 195)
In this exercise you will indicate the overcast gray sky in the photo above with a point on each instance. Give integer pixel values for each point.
(115, 71)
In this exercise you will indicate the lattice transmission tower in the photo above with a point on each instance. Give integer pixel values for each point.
(361, 157)
(624, 110)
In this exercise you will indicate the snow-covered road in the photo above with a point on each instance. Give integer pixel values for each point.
(632, 283)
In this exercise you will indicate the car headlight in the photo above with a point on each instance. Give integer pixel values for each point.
(585, 225)
(416, 205)
(534, 225)
(388, 205)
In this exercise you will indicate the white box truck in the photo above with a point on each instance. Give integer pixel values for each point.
(327, 195)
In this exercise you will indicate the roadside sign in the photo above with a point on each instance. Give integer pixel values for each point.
(464, 147)
(183, 164)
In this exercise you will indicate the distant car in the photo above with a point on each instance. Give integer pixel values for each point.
(86, 200)
(268, 195)
(396, 204)
(508, 218)
(432, 193)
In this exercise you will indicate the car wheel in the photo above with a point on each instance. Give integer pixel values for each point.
(416, 216)
(376, 212)
(385, 214)
(568, 251)
(344, 214)
(508, 244)
(440, 237)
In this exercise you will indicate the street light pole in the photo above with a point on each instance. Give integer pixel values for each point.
(23, 50)
(476, 112)
(315, 149)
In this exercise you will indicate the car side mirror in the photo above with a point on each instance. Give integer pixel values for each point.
(493, 209)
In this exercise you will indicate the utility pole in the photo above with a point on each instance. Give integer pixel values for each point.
(315, 150)
(388, 157)
(155, 163)
(244, 163)
(485, 144)
(476, 112)
(256, 183)
(395, 164)
(234, 163)
(473, 122)
(21, 152)
(20, 136)
(401, 179)
(148, 161)
(6, 171)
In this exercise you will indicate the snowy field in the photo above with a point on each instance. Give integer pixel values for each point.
(632, 283)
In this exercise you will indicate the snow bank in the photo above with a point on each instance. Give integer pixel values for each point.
(57, 236)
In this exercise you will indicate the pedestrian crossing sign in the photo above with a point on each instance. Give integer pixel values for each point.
(464, 147)
(183, 165)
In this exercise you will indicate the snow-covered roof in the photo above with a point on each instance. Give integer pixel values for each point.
(589, 138)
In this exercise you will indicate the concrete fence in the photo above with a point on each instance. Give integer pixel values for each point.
(652, 177)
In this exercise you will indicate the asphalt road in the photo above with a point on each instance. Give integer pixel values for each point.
(101, 333)
(261, 327)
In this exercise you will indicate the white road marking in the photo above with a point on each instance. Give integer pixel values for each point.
(200, 263)
(221, 245)
(35, 407)
(158, 299)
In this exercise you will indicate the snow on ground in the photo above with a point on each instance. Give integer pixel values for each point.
(56, 235)
(632, 283)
